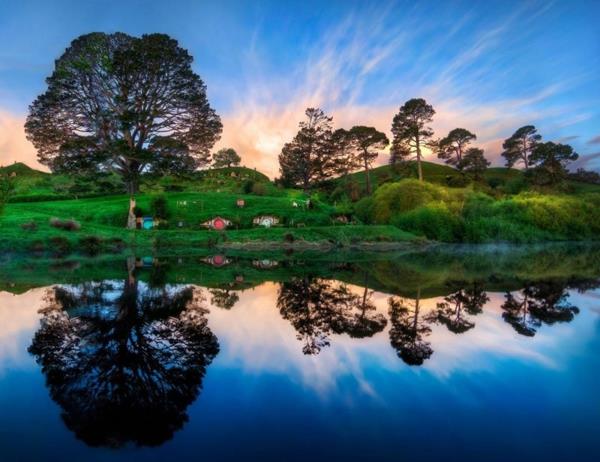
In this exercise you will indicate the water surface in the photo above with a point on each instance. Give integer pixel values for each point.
(488, 354)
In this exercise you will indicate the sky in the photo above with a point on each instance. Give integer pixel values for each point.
(487, 66)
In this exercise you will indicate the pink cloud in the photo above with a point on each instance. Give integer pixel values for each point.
(14, 146)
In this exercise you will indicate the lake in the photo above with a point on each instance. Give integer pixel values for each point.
(450, 353)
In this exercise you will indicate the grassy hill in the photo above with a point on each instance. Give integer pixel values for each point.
(446, 207)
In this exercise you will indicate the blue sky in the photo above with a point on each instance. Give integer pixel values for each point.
(486, 66)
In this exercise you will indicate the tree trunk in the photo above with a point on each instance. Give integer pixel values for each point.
(419, 168)
(367, 175)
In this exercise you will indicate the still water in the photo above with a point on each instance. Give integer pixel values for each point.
(449, 354)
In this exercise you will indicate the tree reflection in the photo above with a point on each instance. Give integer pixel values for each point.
(454, 311)
(224, 298)
(124, 360)
(318, 307)
(536, 304)
(409, 330)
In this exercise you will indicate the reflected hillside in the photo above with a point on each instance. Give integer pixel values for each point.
(431, 272)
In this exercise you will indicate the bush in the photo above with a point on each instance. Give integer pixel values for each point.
(91, 245)
(406, 195)
(259, 189)
(289, 237)
(433, 221)
(60, 246)
(67, 225)
(29, 226)
(160, 207)
(247, 186)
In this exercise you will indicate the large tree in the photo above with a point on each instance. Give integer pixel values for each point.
(452, 147)
(119, 103)
(226, 157)
(551, 160)
(410, 130)
(309, 158)
(367, 142)
(518, 148)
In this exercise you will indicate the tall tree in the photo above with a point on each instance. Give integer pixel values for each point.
(551, 160)
(309, 157)
(473, 163)
(410, 130)
(518, 148)
(344, 152)
(452, 147)
(226, 157)
(111, 102)
(367, 142)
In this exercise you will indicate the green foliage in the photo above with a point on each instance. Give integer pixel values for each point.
(452, 147)
(394, 198)
(410, 130)
(434, 221)
(160, 207)
(463, 215)
(226, 157)
(124, 76)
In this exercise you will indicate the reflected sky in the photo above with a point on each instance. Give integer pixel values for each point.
(264, 397)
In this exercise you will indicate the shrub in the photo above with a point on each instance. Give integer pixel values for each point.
(91, 245)
(259, 189)
(29, 226)
(60, 246)
(402, 196)
(67, 225)
(160, 207)
(433, 221)
(363, 209)
(247, 186)
(289, 237)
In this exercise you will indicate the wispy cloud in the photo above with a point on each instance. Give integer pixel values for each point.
(594, 140)
(342, 67)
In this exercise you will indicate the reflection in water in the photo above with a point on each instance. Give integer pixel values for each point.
(467, 300)
(319, 307)
(542, 302)
(409, 329)
(124, 360)
(224, 298)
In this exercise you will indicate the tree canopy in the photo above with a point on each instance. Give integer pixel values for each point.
(551, 160)
(452, 147)
(518, 148)
(367, 141)
(309, 158)
(410, 130)
(126, 104)
(473, 163)
(226, 157)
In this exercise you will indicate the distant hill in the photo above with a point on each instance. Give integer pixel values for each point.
(21, 170)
